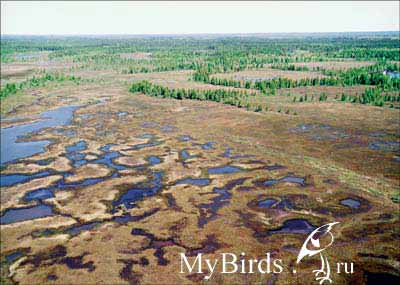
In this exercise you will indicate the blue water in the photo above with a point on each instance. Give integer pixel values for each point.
(393, 74)
(79, 146)
(194, 181)
(146, 136)
(274, 167)
(46, 193)
(144, 145)
(184, 154)
(108, 158)
(122, 114)
(185, 138)
(140, 191)
(296, 226)
(288, 179)
(12, 179)
(12, 150)
(153, 160)
(40, 194)
(14, 119)
(77, 159)
(217, 202)
(80, 162)
(107, 147)
(13, 256)
(43, 161)
(224, 169)
(52, 277)
(74, 155)
(123, 219)
(15, 215)
(351, 203)
(23, 214)
(285, 203)
(267, 203)
(208, 145)
(227, 153)
(80, 228)
(393, 146)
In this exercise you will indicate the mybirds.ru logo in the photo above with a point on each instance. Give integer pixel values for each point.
(316, 243)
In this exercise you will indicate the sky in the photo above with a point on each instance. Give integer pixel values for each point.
(165, 17)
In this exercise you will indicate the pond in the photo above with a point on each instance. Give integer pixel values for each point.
(352, 203)
(13, 256)
(153, 160)
(286, 179)
(12, 150)
(75, 230)
(23, 214)
(267, 203)
(206, 146)
(194, 181)
(224, 169)
(296, 226)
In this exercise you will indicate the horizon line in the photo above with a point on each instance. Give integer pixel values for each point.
(208, 33)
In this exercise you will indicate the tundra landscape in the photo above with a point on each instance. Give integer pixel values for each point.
(121, 153)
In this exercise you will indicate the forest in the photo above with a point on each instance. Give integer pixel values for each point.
(207, 57)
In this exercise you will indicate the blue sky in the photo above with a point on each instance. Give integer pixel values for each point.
(197, 17)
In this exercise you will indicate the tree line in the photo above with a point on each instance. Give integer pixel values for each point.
(229, 97)
(371, 75)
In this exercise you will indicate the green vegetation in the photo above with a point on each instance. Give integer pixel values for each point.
(207, 56)
(372, 96)
(290, 67)
(371, 75)
(215, 54)
(13, 88)
(230, 97)
(10, 88)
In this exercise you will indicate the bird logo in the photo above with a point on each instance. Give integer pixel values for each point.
(313, 245)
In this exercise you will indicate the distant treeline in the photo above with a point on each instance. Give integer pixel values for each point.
(218, 54)
(370, 75)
